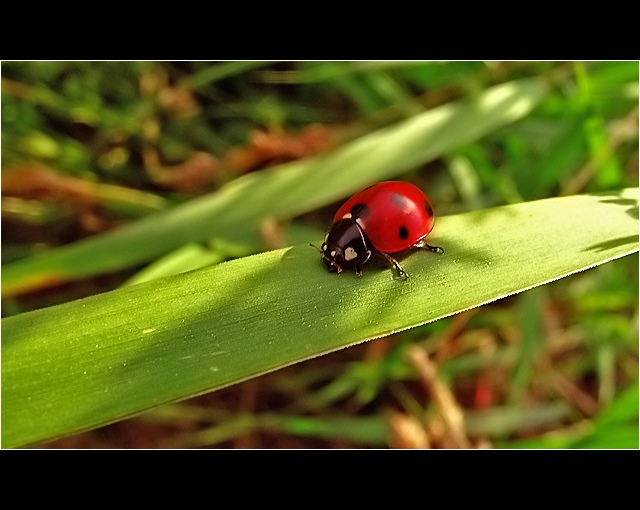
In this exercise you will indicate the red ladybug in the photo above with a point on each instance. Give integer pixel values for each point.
(388, 217)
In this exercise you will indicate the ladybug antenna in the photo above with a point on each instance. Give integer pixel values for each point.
(314, 246)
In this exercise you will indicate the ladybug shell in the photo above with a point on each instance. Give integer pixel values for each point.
(394, 215)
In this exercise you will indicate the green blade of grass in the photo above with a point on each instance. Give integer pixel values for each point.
(616, 426)
(97, 360)
(214, 73)
(236, 211)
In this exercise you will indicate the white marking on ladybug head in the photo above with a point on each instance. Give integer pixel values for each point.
(347, 216)
(350, 254)
(333, 254)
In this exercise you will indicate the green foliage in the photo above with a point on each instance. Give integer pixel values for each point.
(202, 330)
(236, 211)
(556, 365)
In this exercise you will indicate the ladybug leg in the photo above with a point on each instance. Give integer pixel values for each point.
(362, 260)
(394, 263)
(333, 266)
(422, 244)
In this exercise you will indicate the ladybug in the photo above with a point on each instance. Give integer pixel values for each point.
(383, 219)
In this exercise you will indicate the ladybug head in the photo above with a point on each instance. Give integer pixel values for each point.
(345, 247)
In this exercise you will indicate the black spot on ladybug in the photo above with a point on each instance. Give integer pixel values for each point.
(403, 232)
(429, 209)
(401, 201)
(360, 211)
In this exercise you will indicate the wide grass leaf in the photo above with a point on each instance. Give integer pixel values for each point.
(93, 361)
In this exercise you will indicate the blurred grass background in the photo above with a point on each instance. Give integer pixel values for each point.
(90, 146)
